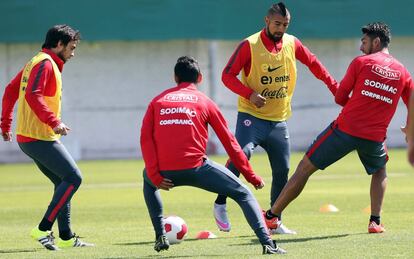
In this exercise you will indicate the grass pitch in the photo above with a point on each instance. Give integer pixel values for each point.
(109, 210)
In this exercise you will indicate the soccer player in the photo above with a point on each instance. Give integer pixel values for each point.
(37, 89)
(174, 136)
(267, 60)
(375, 81)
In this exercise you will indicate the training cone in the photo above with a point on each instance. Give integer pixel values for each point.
(328, 208)
(205, 235)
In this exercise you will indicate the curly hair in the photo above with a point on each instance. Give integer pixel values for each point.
(61, 32)
(380, 30)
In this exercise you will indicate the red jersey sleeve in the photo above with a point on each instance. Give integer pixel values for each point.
(11, 94)
(232, 147)
(148, 147)
(42, 83)
(409, 87)
(240, 59)
(406, 94)
(347, 84)
(306, 57)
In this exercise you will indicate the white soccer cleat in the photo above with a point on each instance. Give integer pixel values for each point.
(282, 230)
(220, 214)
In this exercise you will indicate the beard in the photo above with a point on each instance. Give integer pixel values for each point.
(60, 55)
(273, 37)
(369, 50)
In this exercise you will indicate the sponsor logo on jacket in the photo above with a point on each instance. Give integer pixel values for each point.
(175, 110)
(386, 72)
(181, 97)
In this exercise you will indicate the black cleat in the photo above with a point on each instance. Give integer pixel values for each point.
(273, 249)
(161, 243)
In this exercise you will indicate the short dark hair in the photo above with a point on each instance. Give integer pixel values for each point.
(380, 30)
(61, 32)
(279, 8)
(187, 69)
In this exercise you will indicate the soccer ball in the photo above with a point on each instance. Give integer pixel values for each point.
(175, 228)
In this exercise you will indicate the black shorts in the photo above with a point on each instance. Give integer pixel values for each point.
(333, 144)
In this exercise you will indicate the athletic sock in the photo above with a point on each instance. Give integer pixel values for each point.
(65, 234)
(221, 200)
(270, 215)
(45, 225)
(376, 219)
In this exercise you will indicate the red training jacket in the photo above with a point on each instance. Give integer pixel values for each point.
(377, 81)
(174, 133)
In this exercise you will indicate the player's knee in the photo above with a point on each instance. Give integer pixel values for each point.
(78, 180)
(306, 167)
(241, 193)
(380, 174)
(75, 178)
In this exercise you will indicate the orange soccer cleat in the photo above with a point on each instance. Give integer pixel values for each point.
(270, 223)
(375, 228)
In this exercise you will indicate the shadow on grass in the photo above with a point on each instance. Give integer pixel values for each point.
(152, 242)
(254, 241)
(16, 251)
(165, 256)
(297, 240)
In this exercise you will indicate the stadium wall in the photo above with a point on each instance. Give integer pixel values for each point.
(108, 85)
(102, 20)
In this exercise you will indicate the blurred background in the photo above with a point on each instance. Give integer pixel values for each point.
(129, 49)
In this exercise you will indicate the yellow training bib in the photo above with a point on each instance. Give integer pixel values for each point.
(28, 124)
(273, 75)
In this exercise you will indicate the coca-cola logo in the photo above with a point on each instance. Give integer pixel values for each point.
(386, 72)
(282, 92)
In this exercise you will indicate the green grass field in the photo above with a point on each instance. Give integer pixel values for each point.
(109, 210)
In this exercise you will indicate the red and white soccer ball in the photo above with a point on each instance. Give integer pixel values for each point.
(176, 229)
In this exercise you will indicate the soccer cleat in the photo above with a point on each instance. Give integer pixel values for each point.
(275, 249)
(282, 230)
(375, 228)
(270, 223)
(220, 214)
(73, 242)
(161, 243)
(45, 238)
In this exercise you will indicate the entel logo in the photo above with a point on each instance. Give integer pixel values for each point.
(386, 72)
(189, 98)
